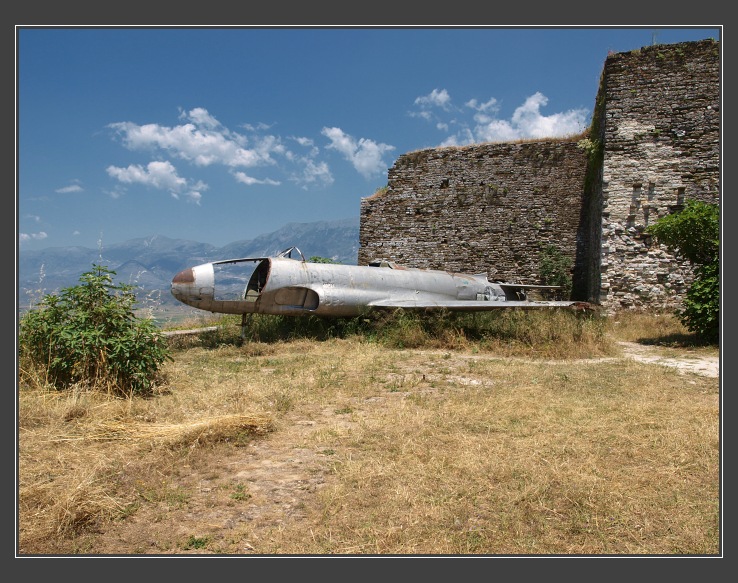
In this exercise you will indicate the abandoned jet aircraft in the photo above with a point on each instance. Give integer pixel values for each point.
(288, 286)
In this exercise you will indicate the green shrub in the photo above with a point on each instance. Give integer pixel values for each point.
(555, 269)
(88, 334)
(694, 234)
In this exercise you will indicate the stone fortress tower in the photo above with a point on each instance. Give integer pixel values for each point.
(654, 143)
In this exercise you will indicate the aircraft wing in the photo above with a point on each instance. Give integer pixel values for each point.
(474, 305)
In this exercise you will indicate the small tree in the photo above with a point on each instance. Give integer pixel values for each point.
(694, 234)
(555, 269)
(89, 334)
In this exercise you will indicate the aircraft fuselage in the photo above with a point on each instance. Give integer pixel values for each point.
(282, 285)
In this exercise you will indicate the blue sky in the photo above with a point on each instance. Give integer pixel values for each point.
(222, 134)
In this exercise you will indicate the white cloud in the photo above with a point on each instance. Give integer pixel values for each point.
(437, 106)
(159, 175)
(244, 178)
(202, 141)
(464, 136)
(426, 115)
(187, 142)
(497, 130)
(193, 193)
(526, 122)
(364, 154)
(70, 188)
(192, 196)
(313, 150)
(486, 107)
(484, 112)
(258, 127)
(117, 191)
(307, 142)
(313, 173)
(431, 105)
(29, 236)
(530, 122)
(201, 117)
(435, 98)
(310, 172)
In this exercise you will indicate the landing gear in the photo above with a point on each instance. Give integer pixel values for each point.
(244, 322)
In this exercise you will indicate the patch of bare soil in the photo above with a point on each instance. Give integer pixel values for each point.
(234, 494)
(692, 362)
(237, 496)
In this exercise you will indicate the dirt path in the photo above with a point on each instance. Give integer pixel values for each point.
(699, 364)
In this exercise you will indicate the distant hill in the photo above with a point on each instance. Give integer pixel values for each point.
(151, 262)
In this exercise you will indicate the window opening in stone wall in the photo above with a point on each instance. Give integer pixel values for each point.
(647, 207)
(635, 204)
(680, 196)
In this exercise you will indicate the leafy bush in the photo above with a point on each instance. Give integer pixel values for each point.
(555, 269)
(88, 334)
(694, 234)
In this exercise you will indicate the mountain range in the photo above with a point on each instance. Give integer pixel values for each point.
(150, 263)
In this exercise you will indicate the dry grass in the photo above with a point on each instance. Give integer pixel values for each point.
(467, 448)
(537, 461)
(659, 329)
(78, 453)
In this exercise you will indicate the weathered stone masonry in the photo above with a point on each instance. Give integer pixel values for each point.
(493, 207)
(484, 208)
(661, 147)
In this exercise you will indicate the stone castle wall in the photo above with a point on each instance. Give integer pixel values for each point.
(494, 207)
(488, 208)
(661, 147)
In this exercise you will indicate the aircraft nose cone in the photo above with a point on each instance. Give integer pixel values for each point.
(194, 286)
(183, 283)
(185, 276)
